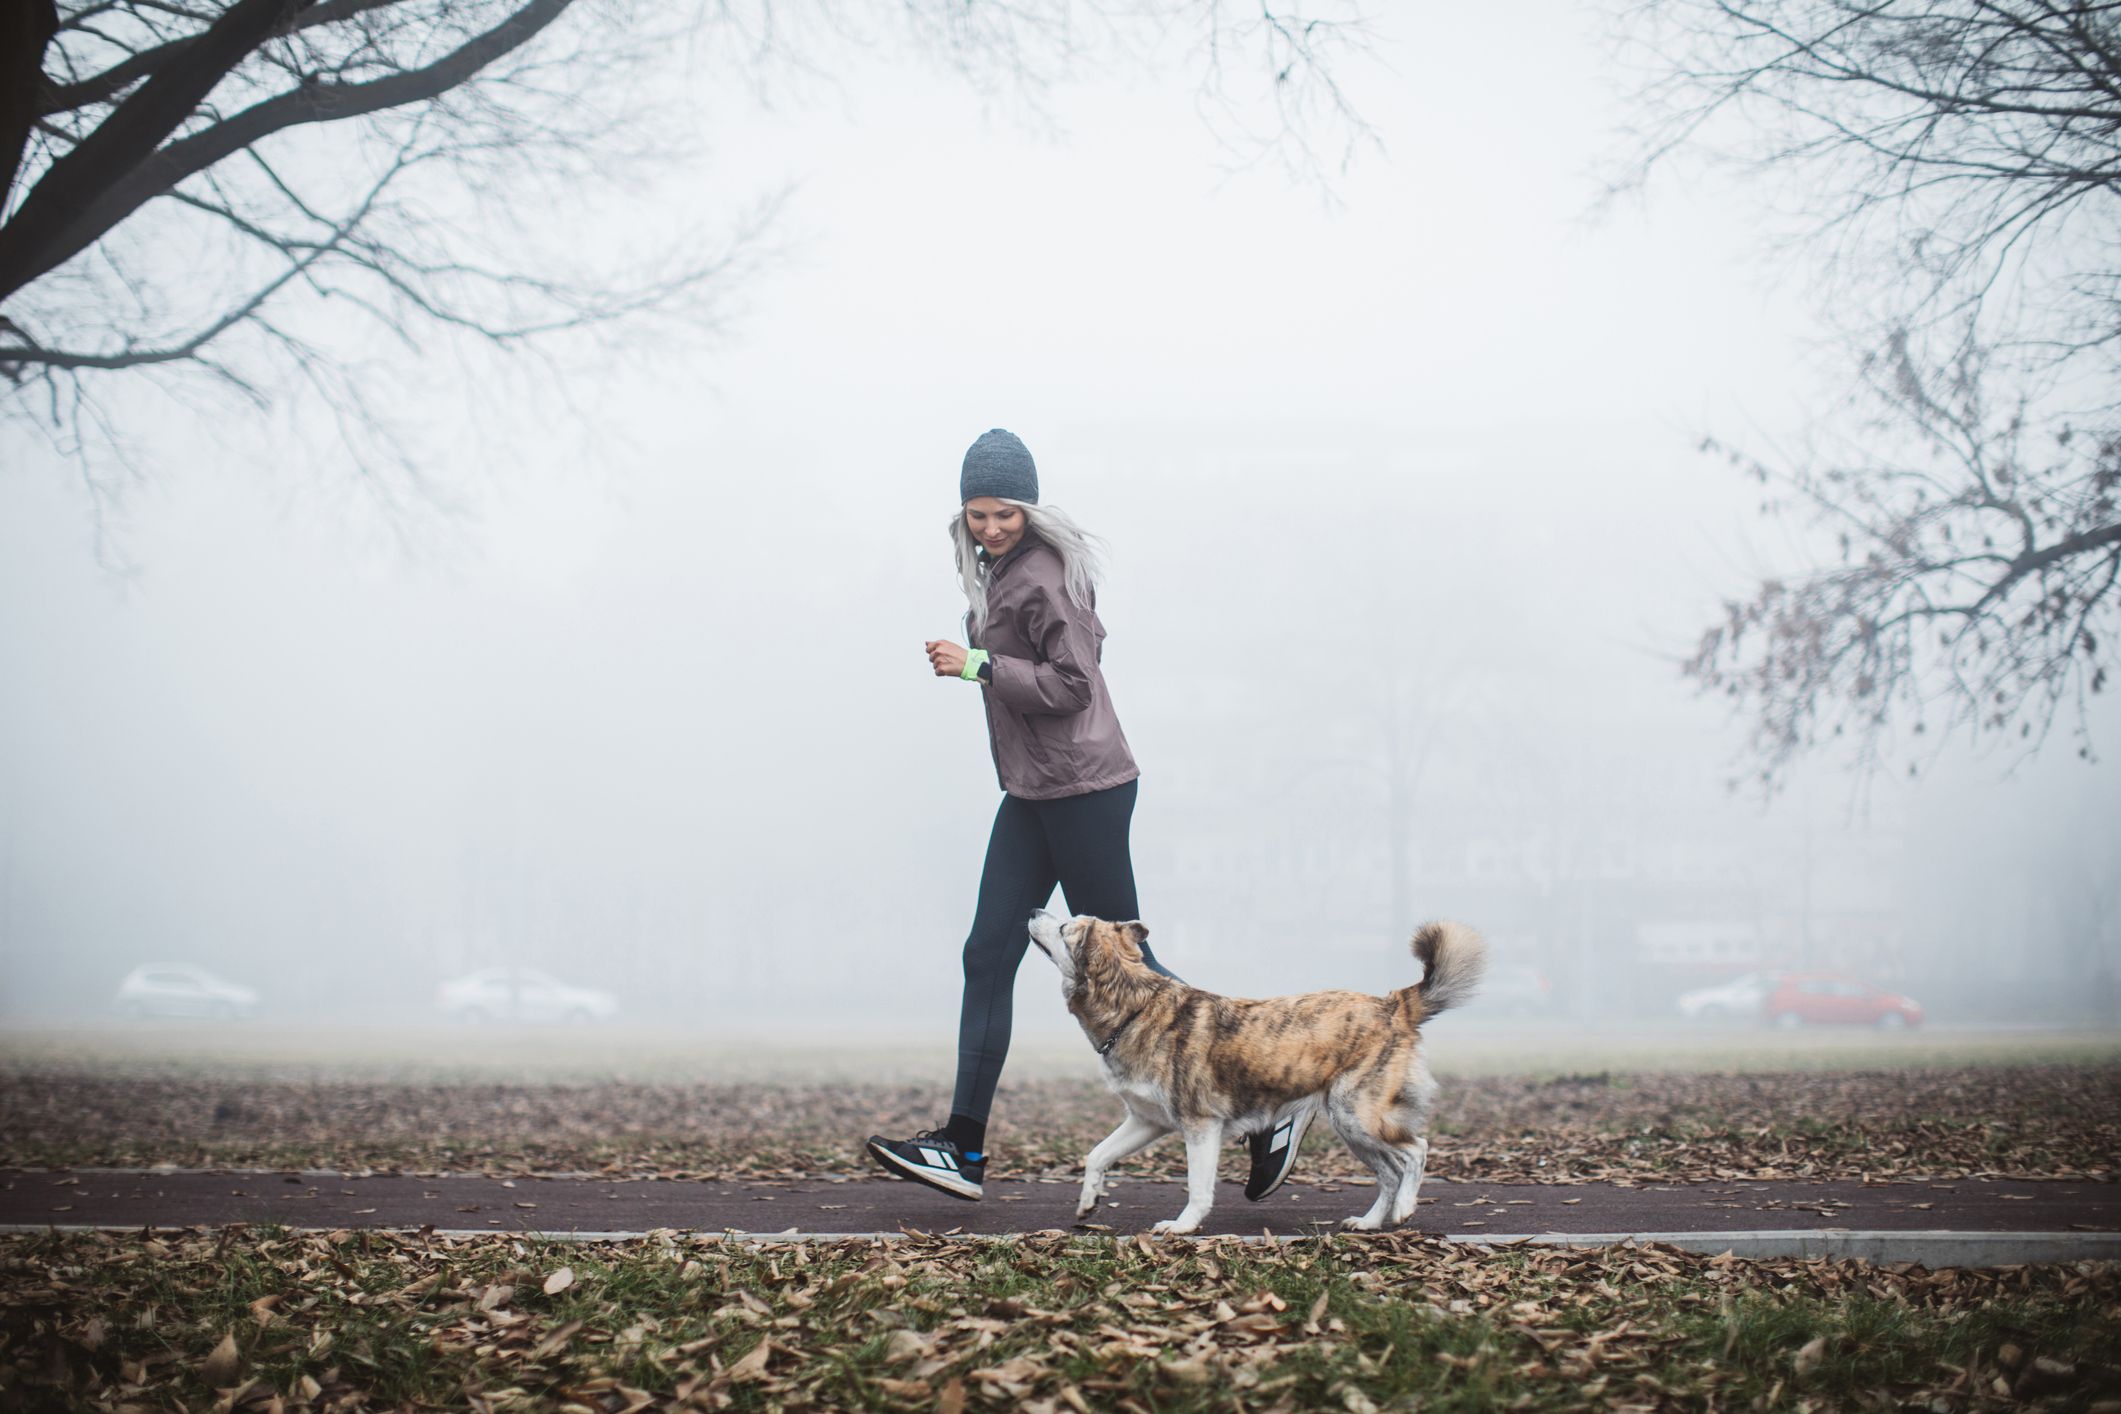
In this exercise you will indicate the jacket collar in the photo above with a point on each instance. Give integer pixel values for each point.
(995, 566)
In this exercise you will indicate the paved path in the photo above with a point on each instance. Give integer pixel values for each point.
(130, 1199)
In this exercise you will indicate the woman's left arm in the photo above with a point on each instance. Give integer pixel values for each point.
(1058, 682)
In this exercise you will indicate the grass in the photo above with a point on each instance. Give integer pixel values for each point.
(1468, 1046)
(354, 1320)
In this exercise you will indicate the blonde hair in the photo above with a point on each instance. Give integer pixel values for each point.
(1082, 554)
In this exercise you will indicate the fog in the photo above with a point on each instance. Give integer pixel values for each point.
(1405, 471)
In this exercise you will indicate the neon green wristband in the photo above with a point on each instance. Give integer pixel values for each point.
(973, 658)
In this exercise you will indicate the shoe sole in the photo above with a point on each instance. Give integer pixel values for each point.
(1299, 1123)
(893, 1164)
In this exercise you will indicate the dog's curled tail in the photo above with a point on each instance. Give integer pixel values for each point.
(1453, 957)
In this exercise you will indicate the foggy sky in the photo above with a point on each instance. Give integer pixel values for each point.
(649, 707)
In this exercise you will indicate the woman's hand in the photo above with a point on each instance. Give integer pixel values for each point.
(946, 657)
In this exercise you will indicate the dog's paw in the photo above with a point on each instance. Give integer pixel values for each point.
(1361, 1222)
(1176, 1227)
(1086, 1207)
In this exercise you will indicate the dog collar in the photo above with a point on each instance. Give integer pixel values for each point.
(1109, 1040)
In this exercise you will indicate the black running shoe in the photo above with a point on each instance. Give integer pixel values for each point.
(930, 1158)
(1274, 1151)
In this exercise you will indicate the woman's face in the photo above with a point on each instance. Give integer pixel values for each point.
(994, 523)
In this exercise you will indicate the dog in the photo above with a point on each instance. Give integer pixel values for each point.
(1206, 1066)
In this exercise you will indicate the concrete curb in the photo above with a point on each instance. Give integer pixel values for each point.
(1928, 1249)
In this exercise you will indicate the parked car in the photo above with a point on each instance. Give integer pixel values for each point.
(522, 994)
(1829, 998)
(1741, 998)
(1516, 991)
(179, 989)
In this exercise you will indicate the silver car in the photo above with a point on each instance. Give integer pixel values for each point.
(179, 989)
(522, 994)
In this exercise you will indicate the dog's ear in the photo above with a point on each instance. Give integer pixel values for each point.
(1129, 937)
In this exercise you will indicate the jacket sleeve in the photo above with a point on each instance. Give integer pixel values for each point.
(1058, 681)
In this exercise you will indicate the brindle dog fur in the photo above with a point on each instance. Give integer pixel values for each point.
(1205, 1066)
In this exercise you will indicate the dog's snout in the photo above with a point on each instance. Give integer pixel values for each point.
(1047, 930)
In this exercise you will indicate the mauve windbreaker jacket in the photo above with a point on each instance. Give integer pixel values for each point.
(1049, 717)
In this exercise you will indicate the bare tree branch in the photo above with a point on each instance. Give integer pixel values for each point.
(15, 357)
(106, 85)
(257, 195)
(26, 257)
(1929, 620)
(1963, 160)
(128, 136)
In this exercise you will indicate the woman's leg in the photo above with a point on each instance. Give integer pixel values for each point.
(1086, 836)
(1018, 878)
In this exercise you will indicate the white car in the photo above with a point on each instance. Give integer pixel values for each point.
(178, 989)
(522, 994)
(1740, 998)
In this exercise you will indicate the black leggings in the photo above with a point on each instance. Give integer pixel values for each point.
(1079, 842)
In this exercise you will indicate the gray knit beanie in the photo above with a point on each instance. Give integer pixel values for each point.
(999, 464)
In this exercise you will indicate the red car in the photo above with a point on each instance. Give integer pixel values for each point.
(1831, 998)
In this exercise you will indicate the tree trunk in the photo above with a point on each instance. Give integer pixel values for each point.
(26, 27)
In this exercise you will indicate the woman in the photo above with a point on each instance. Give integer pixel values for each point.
(1068, 782)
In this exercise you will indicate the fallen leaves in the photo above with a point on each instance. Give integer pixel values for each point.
(557, 1340)
(753, 1365)
(905, 1389)
(370, 1320)
(353, 1319)
(220, 1367)
(904, 1345)
(2025, 1121)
